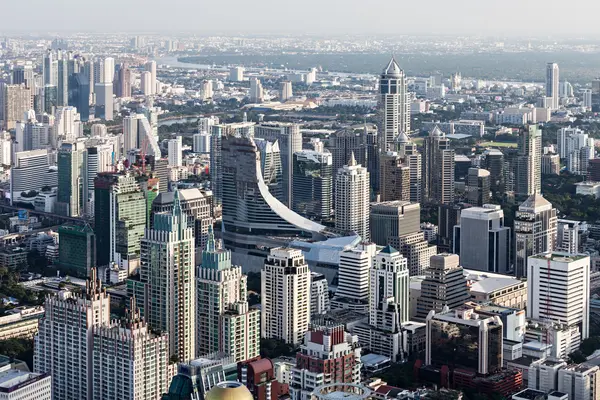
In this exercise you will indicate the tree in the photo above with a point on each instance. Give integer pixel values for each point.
(273, 348)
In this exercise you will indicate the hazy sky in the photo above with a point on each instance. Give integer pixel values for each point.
(495, 17)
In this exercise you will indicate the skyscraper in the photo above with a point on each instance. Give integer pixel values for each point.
(123, 81)
(71, 171)
(285, 91)
(167, 271)
(482, 241)
(529, 162)
(352, 199)
(312, 184)
(256, 91)
(395, 178)
(224, 321)
(535, 231)
(138, 134)
(478, 186)
(151, 67)
(353, 278)
(77, 252)
(407, 149)
(62, 83)
(343, 143)
(175, 152)
(146, 83)
(494, 162)
(290, 141)
(79, 94)
(104, 101)
(393, 107)
(15, 101)
(438, 168)
(285, 296)
(392, 219)
(552, 85)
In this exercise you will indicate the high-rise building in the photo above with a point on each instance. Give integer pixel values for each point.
(146, 83)
(352, 199)
(79, 95)
(579, 381)
(151, 67)
(412, 158)
(96, 159)
(319, 295)
(236, 74)
(438, 168)
(393, 106)
(256, 91)
(353, 278)
(290, 141)
(15, 101)
(168, 272)
(120, 219)
(535, 231)
(558, 291)
(62, 84)
(463, 339)
(389, 291)
(201, 143)
(123, 81)
(285, 91)
(104, 101)
(329, 355)
(175, 152)
(392, 219)
(552, 85)
(207, 90)
(445, 285)
(31, 171)
(478, 186)
(138, 134)
(550, 164)
(223, 319)
(529, 162)
(50, 69)
(448, 218)
(77, 252)
(482, 241)
(312, 187)
(71, 171)
(394, 183)
(567, 236)
(494, 162)
(285, 296)
(66, 337)
(343, 143)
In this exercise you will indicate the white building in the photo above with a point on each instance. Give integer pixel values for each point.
(151, 68)
(16, 384)
(67, 125)
(175, 148)
(146, 83)
(552, 85)
(285, 91)
(352, 199)
(138, 133)
(256, 91)
(285, 296)
(319, 294)
(579, 381)
(201, 143)
(353, 278)
(558, 291)
(207, 90)
(394, 105)
(236, 74)
(543, 374)
(587, 98)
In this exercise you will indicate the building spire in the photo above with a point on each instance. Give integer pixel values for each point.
(352, 162)
(210, 242)
(176, 203)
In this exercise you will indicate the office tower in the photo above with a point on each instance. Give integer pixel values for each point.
(167, 271)
(328, 356)
(319, 295)
(104, 101)
(438, 168)
(196, 203)
(567, 236)
(236, 74)
(312, 184)
(175, 152)
(285, 91)
(462, 339)
(353, 278)
(79, 95)
(407, 149)
(579, 381)
(97, 159)
(218, 133)
(578, 149)
(77, 250)
(558, 291)
(49, 99)
(67, 126)
(31, 171)
(529, 165)
(15, 101)
(65, 339)
(352, 199)
(493, 161)
(393, 106)
(50, 69)
(392, 219)
(71, 172)
(551, 164)
(445, 285)
(6, 149)
(587, 98)
(372, 162)
(270, 166)
(395, 178)
(201, 143)
(23, 73)
(130, 361)
(535, 231)
(224, 321)
(478, 186)
(343, 144)
(32, 135)
(138, 134)
(256, 91)
(160, 167)
(290, 141)
(120, 219)
(389, 292)
(146, 83)
(20, 384)
(107, 74)
(285, 296)
(552, 83)
(62, 84)
(482, 241)
(151, 67)
(448, 217)
(543, 374)
(123, 81)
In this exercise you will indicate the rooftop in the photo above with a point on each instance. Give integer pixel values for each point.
(560, 257)
(489, 285)
(529, 394)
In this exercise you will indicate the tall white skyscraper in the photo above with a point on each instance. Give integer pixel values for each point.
(256, 91)
(558, 291)
(285, 91)
(175, 152)
(146, 83)
(587, 98)
(108, 72)
(353, 278)
(352, 199)
(552, 85)
(167, 270)
(236, 74)
(151, 67)
(285, 296)
(67, 125)
(138, 134)
(393, 107)
(207, 90)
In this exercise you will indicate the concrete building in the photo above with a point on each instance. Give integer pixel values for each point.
(15, 101)
(71, 173)
(20, 322)
(353, 278)
(482, 241)
(236, 74)
(550, 164)
(146, 83)
(529, 162)
(352, 199)
(579, 381)
(285, 296)
(543, 374)
(393, 106)
(587, 98)
(389, 293)
(18, 384)
(104, 101)
(392, 219)
(175, 152)
(312, 186)
(31, 170)
(552, 85)
(535, 231)
(285, 91)
(138, 133)
(478, 186)
(412, 158)
(567, 236)
(438, 168)
(150, 66)
(394, 182)
(256, 91)
(319, 295)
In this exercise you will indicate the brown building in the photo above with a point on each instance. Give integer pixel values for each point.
(594, 170)
(394, 176)
(259, 377)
